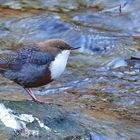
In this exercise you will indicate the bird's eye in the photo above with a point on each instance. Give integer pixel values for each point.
(60, 47)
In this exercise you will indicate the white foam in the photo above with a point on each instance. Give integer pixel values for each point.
(42, 125)
(8, 119)
(18, 121)
(26, 117)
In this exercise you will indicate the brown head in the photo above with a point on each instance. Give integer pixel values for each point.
(55, 46)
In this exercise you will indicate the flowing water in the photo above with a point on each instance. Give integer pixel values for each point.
(100, 90)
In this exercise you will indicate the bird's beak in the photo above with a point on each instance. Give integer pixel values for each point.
(75, 48)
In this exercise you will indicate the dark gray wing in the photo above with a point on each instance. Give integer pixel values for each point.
(27, 55)
(26, 66)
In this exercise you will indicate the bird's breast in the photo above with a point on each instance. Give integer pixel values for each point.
(58, 65)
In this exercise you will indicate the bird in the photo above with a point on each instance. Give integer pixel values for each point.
(36, 64)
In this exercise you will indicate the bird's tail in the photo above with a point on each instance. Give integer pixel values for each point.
(3, 65)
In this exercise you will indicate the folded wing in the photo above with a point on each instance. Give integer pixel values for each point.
(30, 54)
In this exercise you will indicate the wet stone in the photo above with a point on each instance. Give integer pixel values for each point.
(100, 90)
(48, 122)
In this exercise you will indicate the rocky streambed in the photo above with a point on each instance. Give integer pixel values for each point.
(99, 93)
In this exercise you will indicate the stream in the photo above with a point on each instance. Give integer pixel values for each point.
(99, 92)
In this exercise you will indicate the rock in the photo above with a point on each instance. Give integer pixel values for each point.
(37, 121)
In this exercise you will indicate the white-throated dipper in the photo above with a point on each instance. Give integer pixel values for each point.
(35, 65)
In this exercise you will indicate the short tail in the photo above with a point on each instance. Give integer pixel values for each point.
(3, 65)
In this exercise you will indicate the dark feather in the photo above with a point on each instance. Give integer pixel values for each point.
(32, 54)
(3, 64)
(27, 66)
(29, 54)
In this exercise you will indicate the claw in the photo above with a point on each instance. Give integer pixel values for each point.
(30, 92)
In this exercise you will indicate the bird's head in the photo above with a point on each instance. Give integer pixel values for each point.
(56, 46)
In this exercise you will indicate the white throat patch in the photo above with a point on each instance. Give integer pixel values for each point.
(58, 65)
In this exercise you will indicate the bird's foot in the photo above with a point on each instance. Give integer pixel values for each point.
(29, 91)
(39, 101)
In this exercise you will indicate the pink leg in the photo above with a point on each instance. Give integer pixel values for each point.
(30, 92)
